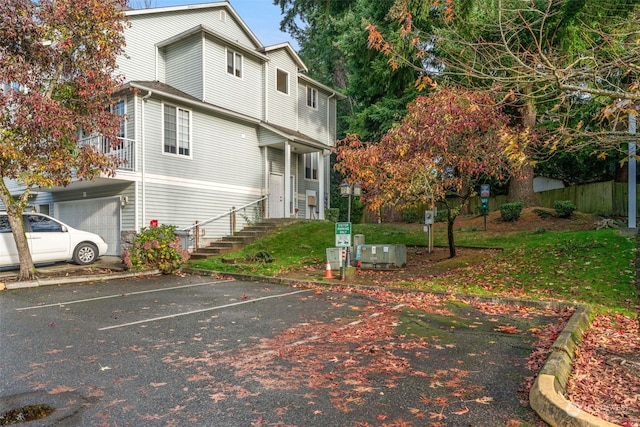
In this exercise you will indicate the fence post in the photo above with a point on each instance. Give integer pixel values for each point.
(197, 231)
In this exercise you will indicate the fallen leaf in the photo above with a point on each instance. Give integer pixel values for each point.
(461, 411)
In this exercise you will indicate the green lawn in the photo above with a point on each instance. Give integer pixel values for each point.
(595, 267)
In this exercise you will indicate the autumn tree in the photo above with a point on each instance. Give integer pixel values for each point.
(448, 141)
(57, 71)
(550, 56)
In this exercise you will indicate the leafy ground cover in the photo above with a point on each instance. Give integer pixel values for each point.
(536, 257)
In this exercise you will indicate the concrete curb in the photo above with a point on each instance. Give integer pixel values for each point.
(547, 394)
(62, 280)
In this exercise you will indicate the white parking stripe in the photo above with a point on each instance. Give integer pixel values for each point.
(218, 307)
(60, 304)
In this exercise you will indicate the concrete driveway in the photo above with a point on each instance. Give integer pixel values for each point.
(173, 351)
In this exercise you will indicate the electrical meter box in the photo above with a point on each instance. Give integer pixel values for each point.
(429, 217)
(334, 256)
(383, 257)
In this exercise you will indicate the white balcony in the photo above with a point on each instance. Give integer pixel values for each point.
(124, 149)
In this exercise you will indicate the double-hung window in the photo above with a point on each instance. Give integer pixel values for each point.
(177, 130)
(311, 166)
(234, 63)
(312, 97)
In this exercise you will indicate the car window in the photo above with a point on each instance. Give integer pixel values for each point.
(41, 224)
(4, 224)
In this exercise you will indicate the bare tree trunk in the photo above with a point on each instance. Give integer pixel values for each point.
(452, 246)
(521, 188)
(14, 213)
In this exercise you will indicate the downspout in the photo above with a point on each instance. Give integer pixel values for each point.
(330, 140)
(143, 161)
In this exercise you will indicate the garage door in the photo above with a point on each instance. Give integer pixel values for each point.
(99, 216)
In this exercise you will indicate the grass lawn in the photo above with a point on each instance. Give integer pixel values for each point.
(589, 266)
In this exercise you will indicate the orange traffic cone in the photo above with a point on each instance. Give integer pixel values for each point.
(327, 271)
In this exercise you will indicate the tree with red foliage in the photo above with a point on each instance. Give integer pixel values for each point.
(448, 141)
(57, 75)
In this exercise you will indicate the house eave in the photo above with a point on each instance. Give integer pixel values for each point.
(192, 102)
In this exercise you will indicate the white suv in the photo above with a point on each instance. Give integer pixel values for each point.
(49, 241)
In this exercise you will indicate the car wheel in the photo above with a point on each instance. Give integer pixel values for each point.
(85, 253)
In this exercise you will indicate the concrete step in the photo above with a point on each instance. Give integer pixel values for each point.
(241, 238)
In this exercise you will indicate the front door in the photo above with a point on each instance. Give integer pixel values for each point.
(276, 196)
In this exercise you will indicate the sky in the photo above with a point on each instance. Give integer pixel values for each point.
(261, 16)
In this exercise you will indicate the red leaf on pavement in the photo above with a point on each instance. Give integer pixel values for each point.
(461, 411)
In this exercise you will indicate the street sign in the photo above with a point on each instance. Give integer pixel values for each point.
(343, 234)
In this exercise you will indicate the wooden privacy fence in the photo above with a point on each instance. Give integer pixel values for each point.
(605, 198)
(608, 198)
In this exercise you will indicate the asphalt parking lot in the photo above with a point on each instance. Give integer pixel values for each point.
(174, 351)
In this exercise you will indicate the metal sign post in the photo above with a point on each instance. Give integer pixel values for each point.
(343, 240)
(484, 200)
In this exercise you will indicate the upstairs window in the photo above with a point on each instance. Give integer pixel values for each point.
(282, 81)
(312, 97)
(118, 109)
(177, 131)
(311, 166)
(234, 63)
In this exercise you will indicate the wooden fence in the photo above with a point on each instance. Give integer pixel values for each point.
(606, 198)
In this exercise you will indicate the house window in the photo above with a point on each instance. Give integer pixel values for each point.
(118, 110)
(177, 130)
(312, 97)
(282, 81)
(311, 166)
(234, 63)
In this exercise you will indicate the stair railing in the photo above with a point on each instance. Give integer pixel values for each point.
(197, 231)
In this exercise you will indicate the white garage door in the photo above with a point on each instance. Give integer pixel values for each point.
(99, 216)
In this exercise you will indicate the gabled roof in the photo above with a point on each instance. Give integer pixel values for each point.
(287, 47)
(214, 5)
(215, 34)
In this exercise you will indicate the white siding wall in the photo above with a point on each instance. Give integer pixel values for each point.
(282, 108)
(183, 62)
(147, 30)
(241, 94)
(313, 122)
(225, 170)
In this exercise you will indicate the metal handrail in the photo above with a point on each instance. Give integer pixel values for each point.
(231, 212)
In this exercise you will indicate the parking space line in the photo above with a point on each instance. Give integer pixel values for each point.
(202, 310)
(33, 307)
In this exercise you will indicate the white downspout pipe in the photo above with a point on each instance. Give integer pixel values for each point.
(143, 161)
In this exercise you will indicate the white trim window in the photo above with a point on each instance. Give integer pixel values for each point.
(311, 166)
(282, 81)
(234, 63)
(312, 98)
(177, 131)
(118, 108)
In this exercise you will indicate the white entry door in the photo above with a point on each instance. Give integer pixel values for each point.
(276, 196)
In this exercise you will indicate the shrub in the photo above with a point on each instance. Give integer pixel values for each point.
(441, 215)
(156, 247)
(511, 211)
(332, 214)
(410, 215)
(564, 208)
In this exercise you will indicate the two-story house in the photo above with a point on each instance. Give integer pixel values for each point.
(212, 120)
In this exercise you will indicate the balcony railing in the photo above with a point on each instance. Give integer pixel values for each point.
(124, 149)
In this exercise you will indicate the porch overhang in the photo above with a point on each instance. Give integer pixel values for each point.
(299, 142)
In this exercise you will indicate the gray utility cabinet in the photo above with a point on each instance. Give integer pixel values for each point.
(381, 257)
